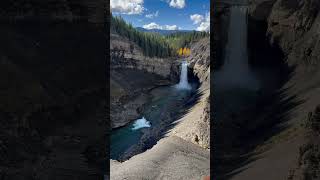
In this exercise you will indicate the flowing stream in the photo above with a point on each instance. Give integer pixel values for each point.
(157, 115)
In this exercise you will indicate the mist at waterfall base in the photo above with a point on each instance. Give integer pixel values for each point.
(163, 101)
(183, 83)
(141, 123)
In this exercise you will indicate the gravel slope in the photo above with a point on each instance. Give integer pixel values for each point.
(171, 158)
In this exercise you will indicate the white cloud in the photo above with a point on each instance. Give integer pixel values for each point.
(177, 3)
(204, 26)
(172, 27)
(204, 23)
(153, 15)
(154, 25)
(196, 18)
(127, 6)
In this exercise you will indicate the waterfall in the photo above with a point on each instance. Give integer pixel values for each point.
(183, 84)
(235, 71)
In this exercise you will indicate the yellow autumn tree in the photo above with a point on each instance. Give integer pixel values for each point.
(189, 52)
(180, 51)
(184, 51)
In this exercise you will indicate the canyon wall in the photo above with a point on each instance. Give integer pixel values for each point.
(195, 125)
(293, 27)
(133, 58)
(53, 93)
(132, 75)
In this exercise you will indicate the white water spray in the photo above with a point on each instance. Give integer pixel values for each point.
(183, 84)
(235, 72)
(141, 123)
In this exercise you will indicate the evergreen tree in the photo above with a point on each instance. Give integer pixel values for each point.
(153, 44)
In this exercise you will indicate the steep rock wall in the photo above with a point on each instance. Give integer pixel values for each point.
(134, 58)
(195, 126)
(52, 94)
(132, 75)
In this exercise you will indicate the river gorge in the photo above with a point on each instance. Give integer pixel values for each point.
(160, 113)
(162, 108)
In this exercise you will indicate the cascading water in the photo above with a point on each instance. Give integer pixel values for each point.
(235, 72)
(235, 83)
(184, 84)
(141, 123)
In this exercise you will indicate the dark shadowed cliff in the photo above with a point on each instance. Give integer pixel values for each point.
(281, 144)
(53, 94)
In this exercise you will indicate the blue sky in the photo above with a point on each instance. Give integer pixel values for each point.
(164, 14)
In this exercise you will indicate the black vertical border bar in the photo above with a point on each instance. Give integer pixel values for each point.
(212, 57)
(107, 60)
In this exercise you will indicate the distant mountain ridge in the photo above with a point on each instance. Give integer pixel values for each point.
(161, 31)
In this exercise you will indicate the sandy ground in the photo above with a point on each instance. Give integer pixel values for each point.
(172, 158)
(273, 164)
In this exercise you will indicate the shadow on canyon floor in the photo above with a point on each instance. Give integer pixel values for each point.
(186, 108)
(171, 119)
(238, 138)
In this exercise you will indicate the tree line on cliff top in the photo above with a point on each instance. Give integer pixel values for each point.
(154, 44)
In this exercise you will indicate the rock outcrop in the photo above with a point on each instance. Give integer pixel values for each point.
(132, 76)
(133, 58)
(294, 26)
(195, 125)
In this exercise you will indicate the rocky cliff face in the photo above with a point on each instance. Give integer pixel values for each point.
(293, 27)
(52, 101)
(195, 126)
(133, 58)
(132, 76)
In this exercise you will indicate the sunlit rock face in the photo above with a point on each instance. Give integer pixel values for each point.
(195, 126)
(133, 58)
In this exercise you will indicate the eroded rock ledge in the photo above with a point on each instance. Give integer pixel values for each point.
(132, 76)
